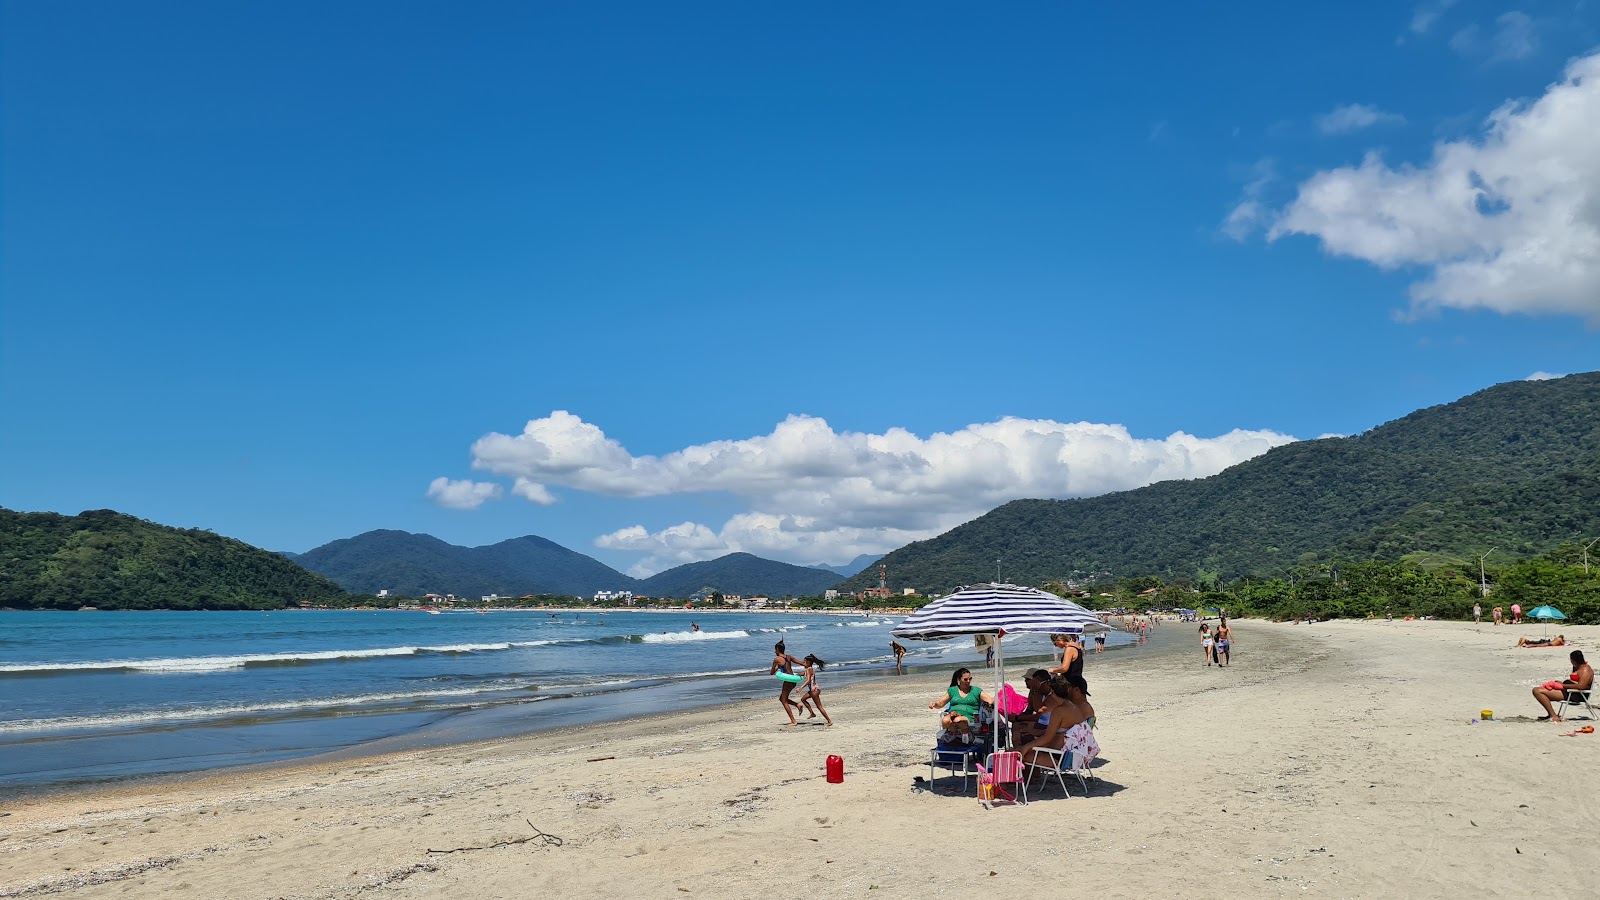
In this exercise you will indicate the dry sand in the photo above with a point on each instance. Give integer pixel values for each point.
(1332, 760)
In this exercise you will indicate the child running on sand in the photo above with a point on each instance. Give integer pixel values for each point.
(809, 690)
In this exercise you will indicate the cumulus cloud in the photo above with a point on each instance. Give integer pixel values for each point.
(814, 494)
(462, 494)
(1508, 221)
(1354, 117)
(1544, 376)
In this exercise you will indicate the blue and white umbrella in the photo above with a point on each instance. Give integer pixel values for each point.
(997, 609)
(993, 608)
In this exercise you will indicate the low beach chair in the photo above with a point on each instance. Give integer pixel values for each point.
(1065, 763)
(1005, 768)
(1573, 697)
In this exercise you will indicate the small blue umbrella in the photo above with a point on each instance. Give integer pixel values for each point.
(1546, 613)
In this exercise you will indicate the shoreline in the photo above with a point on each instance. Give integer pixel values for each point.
(1332, 760)
(435, 735)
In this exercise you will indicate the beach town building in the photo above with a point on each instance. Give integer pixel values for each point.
(830, 594)
(613, 596)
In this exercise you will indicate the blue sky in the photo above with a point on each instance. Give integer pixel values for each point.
(662, 281)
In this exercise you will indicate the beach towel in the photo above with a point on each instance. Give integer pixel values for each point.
(1010, 702)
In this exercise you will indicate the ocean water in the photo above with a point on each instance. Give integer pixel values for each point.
(91, 696)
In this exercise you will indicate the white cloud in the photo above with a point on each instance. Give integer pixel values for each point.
(1466, 41)
(461, 494)
(1514, 38)
(1354, 117)
(814, 493)
(1252, 213)
(533, 492)
(1426, 14)
(1543, 376)
(1508, 222)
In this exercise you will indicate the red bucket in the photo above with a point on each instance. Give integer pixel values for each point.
(835, 770)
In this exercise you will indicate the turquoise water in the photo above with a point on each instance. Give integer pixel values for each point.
(89, 696)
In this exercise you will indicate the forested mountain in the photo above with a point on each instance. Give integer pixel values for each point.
(1515, 467)
(416, 564)
(109, 560)
(739, 573)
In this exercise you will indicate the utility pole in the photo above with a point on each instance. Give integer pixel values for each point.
(1483, 583)
(997, 571)
(1586, 555)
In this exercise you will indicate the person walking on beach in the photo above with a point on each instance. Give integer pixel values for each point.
(1205, 643)
(1477, 614)
(809, 691)
(1497, 615)
(899, 657)
(783, 662)
(1222, 651)
(1100, 642)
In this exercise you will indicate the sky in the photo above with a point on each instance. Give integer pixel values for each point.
(661, 282)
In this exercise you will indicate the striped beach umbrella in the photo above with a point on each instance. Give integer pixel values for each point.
(997, 609)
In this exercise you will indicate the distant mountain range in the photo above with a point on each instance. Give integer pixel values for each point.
(858, 564)
(417, 564)
(1515, 468)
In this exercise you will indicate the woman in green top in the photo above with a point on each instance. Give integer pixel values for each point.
(961, 701)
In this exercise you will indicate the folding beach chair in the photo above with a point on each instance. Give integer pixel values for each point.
(956, 759)
(1065, 762)
(1573, 697)
(1004, 768)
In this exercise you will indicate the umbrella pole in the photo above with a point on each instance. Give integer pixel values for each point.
(999, 681)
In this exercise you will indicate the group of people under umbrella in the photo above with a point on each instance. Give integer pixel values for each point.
(1055, 719)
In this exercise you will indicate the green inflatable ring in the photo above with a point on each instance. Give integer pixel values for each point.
(792, 679)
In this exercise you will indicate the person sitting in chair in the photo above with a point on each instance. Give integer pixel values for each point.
(1581, 679)
(1065, 715)
(1557, 641)
(961, 701)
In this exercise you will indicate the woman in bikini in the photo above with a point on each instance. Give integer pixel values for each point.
(1581, 679)
(1064, 716)
(1205, 642)
(783, 662)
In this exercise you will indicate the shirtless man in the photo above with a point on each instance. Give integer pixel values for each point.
(1224, 643)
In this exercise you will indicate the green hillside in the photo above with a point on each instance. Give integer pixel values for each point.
(416, 564)
(109, 560)
(739, 573)
(1515, 467)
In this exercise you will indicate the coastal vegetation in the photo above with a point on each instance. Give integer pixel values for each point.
(1514, 468)
(1420, 585)
(109, 560)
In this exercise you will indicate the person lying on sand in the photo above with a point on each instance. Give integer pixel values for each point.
(1581, 679)
(1557, 641)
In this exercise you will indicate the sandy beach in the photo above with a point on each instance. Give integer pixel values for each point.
(1332, 760)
